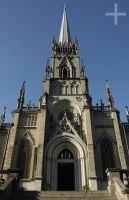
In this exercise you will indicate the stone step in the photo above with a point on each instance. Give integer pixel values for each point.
(63, 195)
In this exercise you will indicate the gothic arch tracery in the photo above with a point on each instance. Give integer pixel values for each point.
(65, 154)
(65, 73)
(26, 156)
(76, 147)
(69, 121)
(107, 155)
(67, 69)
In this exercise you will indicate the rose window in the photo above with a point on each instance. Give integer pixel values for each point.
(65, 128)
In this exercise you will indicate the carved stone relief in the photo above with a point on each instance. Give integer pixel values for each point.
(28, 119)
(66, 87)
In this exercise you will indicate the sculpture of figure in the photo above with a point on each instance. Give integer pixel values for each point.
(48, 69)
(85, 100)
(44, 99)
(83, 70)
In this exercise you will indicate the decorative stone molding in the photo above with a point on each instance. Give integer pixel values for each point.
(79, 98)
(115, 185)
(28, 119)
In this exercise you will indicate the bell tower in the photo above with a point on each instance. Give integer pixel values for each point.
(68, 113)
(65, 73)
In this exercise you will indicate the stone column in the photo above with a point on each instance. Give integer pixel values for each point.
(41, 129)
(119, 141)
(90, 149)
(11, 140)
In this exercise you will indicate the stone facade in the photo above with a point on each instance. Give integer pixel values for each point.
(65, 143)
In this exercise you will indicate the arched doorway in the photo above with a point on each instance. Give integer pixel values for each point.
(65, 171)
(66, 158)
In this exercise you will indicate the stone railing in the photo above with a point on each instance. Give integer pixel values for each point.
(118, 182)
(124, 176)
(102, 107)
(8, 183)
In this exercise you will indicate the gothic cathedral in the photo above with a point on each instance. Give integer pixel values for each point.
(65, 143)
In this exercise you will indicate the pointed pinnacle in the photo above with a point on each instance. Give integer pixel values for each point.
(23, 85)
(64, 31)
(107, 85)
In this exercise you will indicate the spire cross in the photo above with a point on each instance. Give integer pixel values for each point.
(65, 6)
(115, 14)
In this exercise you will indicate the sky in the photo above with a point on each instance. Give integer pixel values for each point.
(27, 28)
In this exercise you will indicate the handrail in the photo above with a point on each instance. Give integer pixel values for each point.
(121, 185)
(116, 183)
(122, 192)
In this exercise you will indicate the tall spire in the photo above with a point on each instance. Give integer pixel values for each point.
(64, 31)
(110, 98)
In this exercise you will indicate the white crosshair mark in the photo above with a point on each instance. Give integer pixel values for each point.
(116, 14)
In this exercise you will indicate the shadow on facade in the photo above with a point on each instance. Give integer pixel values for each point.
(29, 195)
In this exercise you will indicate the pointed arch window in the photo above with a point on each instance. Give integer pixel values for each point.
(65, 154)
(24, 161)
(65, 72)
(107, 154)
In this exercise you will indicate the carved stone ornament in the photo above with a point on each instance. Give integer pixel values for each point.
(85, 100)
(79, 98)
